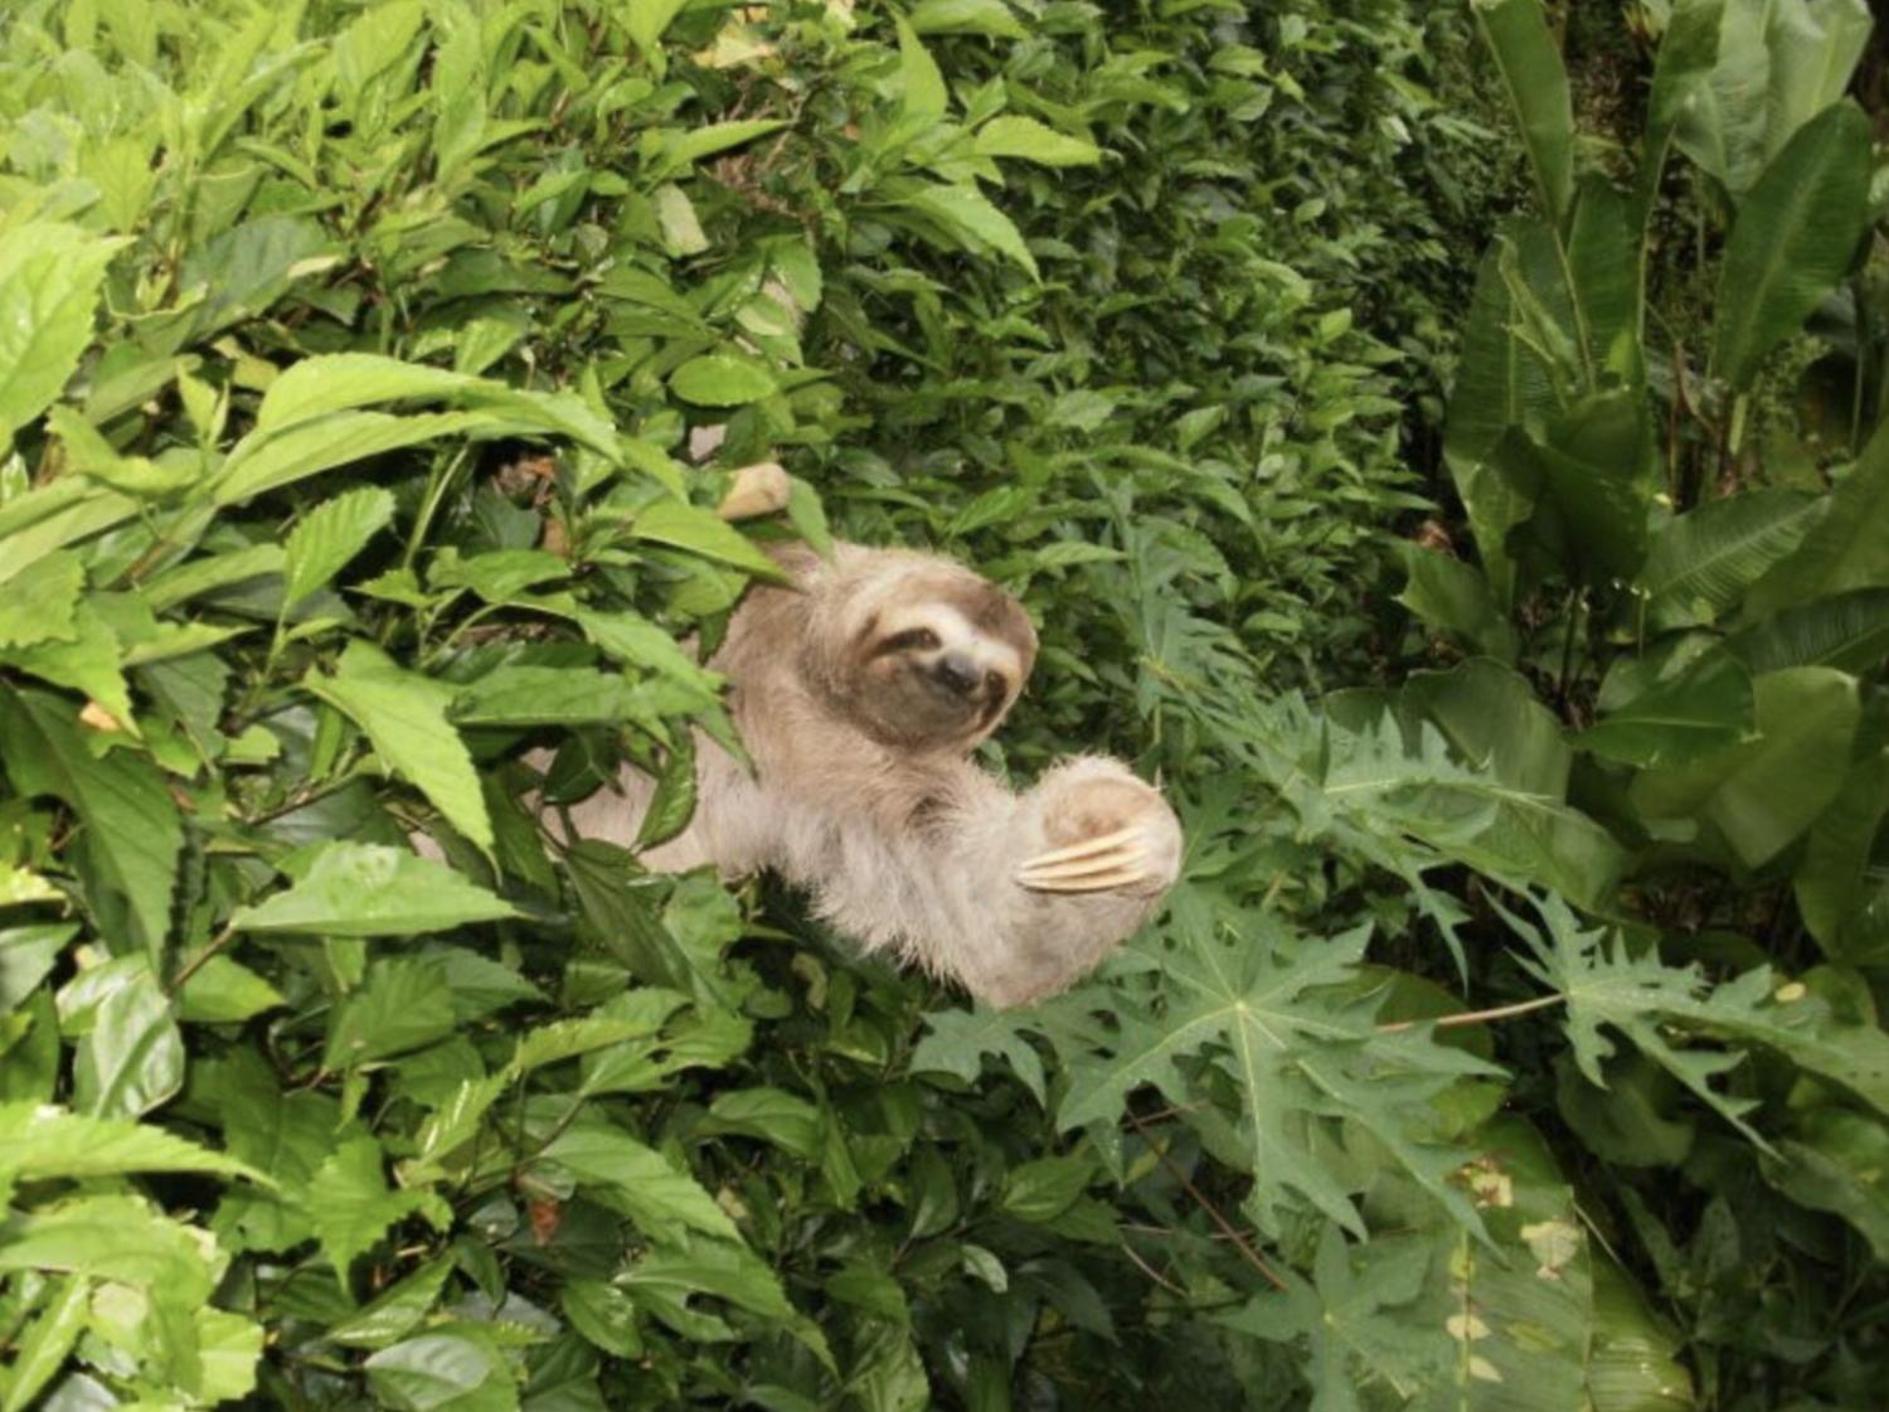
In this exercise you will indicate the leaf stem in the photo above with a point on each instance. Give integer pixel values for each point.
(1476, 1017)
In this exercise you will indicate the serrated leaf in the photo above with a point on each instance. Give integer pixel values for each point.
(39, 1142)
(637, 1180)
(39, 602)
(364, 890)
(1012, 135)
(49, 287)
(350, 1205)
(684, 526)
(329, 536)
(970, 220)
(404, 715)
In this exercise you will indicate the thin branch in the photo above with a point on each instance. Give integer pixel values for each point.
(197, 962)
(1240, 1242)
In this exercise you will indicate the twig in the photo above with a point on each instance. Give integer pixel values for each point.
(1476, 1017)
(1155, 1274)
(1240, 1242)
(197, 962)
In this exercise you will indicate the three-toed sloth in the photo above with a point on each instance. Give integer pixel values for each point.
(860, 692)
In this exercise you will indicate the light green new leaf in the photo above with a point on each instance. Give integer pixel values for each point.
(396, 1311)
(364, 889)
(49, 286)
(1012, 135)
(40, 1142)
(91, 663)
(111, 1238)
(39, 602)
(920, 83)
(1794, 239)
(225, 992)
(1815, 46)
(678, 149)
(991, 18)
(970, 221)
(722, 380)
(329, 536)
(646, 20)
(1536, 86)
(404, 715)
(133, 834)
(567, 696)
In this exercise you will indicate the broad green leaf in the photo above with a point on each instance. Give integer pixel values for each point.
(1706, 709)
(1489, 715)
(1721, 122)
(1701, 563)
(603, 1314)
(1042, 1189)
(1794, 239)
(49, 288)
(404, 715)
(1454, 598)
(1765, 793)
(665, 1278)
(722, 380)
(132, 832)
(39, 1142)
(970, 221)
(442, 1372)
(1848, 631)
(646, 20)
(771, 1114)
(265, 461)
(363, 890)
(1833, 883)
(677, 150)
(1012, 135)
(329, 536)
(1681, 77)
(1846, 549)
(1838, 1161)
(1815, 46)
(132, 1057)
(1536, 86)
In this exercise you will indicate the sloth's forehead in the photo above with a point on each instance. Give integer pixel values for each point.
(957, 608)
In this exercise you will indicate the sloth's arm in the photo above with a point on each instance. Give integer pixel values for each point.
(952, 892)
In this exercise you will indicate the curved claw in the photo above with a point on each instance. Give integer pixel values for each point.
(1094, 865)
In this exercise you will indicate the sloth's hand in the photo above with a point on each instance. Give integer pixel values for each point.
(1115, 834)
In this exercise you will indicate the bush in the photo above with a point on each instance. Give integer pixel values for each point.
(356, 357)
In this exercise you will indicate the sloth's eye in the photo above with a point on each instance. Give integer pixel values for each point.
(911, 640)
(994, 683)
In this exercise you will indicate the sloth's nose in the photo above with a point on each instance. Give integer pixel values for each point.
(958, 672)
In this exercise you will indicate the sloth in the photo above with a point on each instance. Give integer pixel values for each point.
(860, 691)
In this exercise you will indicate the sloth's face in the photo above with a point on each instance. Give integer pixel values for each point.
(940, 658)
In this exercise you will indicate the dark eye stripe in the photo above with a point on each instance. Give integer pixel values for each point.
(911, 640)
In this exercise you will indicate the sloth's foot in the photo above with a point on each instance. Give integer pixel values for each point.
(1121, 835)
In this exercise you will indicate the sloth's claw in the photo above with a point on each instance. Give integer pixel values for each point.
(1096, 865)
(1101, 843)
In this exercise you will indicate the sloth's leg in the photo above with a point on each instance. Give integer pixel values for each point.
(948, 894)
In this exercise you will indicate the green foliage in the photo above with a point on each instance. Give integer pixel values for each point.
(368, 374)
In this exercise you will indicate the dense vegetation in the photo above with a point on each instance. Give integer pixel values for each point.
(1510, 634)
